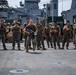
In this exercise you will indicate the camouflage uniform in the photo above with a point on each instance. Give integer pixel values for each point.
(2, 35)
(16, 34)
(66, 36)
(55, 30)
(25, 36)
(40, 39)
(48, 37)
(31, 29)
(74, 34)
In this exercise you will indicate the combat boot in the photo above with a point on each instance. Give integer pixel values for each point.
(44, 49)
(19, 48)
(66, 47)
(13, 48)
(5, 48)
(48, 46)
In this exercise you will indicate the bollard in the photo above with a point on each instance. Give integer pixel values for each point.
(18, 72)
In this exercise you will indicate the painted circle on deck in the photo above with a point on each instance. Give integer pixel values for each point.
(19, 71)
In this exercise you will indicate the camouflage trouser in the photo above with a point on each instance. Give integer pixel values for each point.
(3, 40)
(16, 38)
(65, 40)
(74, 40)
(29, 40)
(56, 39)
(49, 40)
(40, 41)
(25, 37)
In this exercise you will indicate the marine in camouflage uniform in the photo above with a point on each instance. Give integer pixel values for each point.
(55, 34)
(2, 33)
(30, 30)
(40, 33)
(48, 37)
(16, 33)
(74, 35)
(25, 35)
(66, 35)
